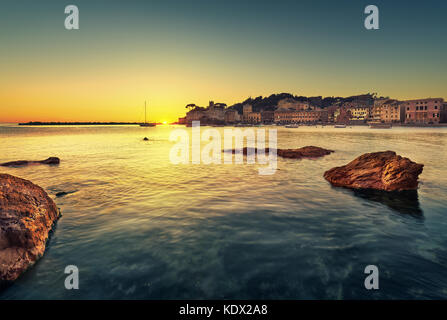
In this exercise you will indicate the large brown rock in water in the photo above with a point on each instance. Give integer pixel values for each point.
(27, 215)
(304, 152)
(379, 170)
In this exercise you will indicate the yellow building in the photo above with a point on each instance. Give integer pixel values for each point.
(392, 111)
(359, 113)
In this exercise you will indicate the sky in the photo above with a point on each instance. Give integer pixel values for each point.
(172, 53)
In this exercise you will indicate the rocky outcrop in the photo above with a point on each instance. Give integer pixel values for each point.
(304, 152)
(20, 163)
(379, 170)
(27, 215)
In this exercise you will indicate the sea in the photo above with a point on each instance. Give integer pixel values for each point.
(138, 226)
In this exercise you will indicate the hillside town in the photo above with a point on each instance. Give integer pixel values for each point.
(285, 109)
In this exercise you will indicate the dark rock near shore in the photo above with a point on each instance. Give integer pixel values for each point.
(145, 139)
(379, 170)
(27, 216)
(304, 152)
(63, 193)
(20, 163)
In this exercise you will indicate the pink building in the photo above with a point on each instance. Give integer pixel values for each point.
(423, 111)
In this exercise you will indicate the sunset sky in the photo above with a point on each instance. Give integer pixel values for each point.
(172, 53)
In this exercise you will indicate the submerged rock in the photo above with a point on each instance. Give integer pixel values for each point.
(304, 152)
(27, 215)
(19, 163)
(63, 193)
(379, 170)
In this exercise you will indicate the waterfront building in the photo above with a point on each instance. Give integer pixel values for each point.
(342, 115)
(267, 116)
(253, 117)
(376, 111)
(358, 113)
(302, 116)
(215, 111)
(195, 114)
(332, 110)
(284, 116)
(423, 111)
(312, 116)
(392, 111)
(232, 116)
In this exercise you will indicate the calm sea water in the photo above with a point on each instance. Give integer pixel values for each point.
(139, 227)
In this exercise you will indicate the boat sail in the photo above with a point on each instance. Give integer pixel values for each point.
(146, 124)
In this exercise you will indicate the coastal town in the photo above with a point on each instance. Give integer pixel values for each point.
(286, 109)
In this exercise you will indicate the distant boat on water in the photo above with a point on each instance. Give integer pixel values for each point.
(340, 126)
(292, 126)
(146, 124)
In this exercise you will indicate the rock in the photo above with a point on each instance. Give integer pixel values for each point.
(50, 161)
(304, 152)
(27, 215)
(145, 139)
(379, 170)
(63, 193)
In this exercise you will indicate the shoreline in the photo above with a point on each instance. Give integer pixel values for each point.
(38, 123)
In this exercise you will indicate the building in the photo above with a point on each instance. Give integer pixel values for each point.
(195, 114)
(444, 113)
(358, 113)
(376, 111)
(232, 116)
(302, 116)
(423, 111)
(312, 116)
(342, 115)
(267, 116)
(247, 108)
(289, 103)
(253, 117)
(392, 111)
(284, 116)
(331, 113)
(215, 111)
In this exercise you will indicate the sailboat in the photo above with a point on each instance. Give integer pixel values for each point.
(146, 124)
